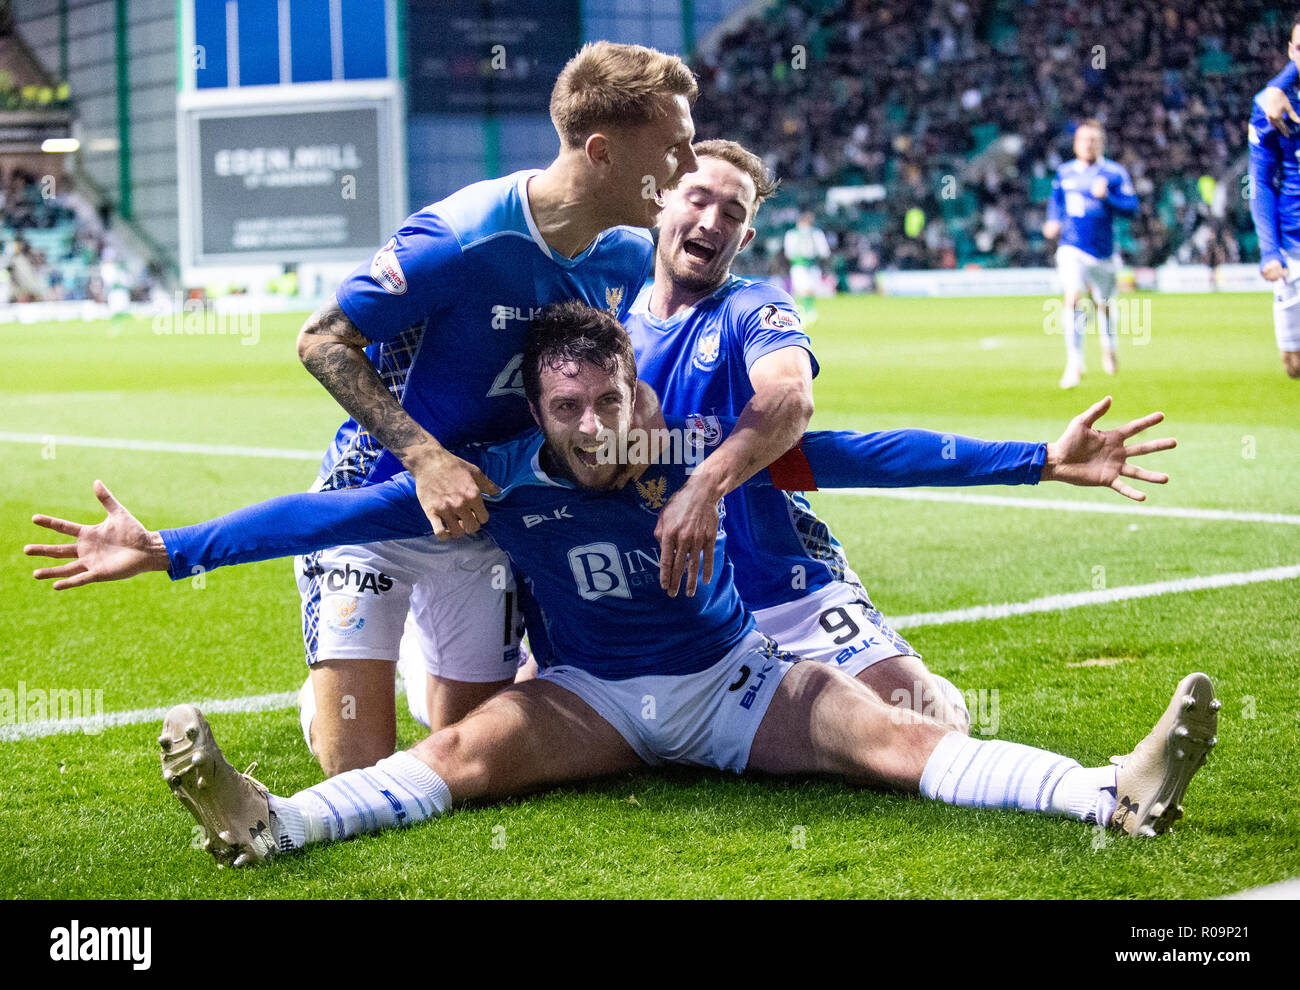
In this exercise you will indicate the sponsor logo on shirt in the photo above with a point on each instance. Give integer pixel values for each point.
(386, 270)
(534, 519)
(708, 349)
(502, 316)
(601, 570)
(775, 318)
(598, 571)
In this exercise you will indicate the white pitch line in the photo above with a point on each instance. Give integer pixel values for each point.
(904, 494)
(1051, 603)
(1067, 505)
(163, 446)
(1059, 603)
(93, 724)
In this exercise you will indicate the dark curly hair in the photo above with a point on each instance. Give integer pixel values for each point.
(573, 332)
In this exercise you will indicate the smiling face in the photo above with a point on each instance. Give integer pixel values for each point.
(643, 162)
(705, 222)
(1087, 143)
(579, 406)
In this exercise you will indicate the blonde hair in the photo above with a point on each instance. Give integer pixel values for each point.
(608, 85)
(735, 153)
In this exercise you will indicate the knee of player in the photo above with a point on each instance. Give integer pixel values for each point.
(444, 749)
(1291, 362)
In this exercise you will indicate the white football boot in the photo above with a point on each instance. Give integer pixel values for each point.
(231, 807)
(1151, 780)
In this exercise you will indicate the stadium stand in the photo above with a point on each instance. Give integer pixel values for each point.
(953, 116)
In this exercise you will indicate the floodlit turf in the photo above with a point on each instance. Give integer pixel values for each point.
(88, 815)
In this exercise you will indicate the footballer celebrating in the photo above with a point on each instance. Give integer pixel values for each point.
(710, 342)
(422, 348)
(1275, 202)
(584, 531)
(1087, 194)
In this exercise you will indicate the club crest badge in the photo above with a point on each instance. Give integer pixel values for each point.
(707, 350)
(653, 493)
(613, 299)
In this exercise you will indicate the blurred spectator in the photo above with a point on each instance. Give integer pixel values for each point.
(54, 247)
(963, 109)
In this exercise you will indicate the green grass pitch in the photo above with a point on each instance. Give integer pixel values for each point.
(88, 815)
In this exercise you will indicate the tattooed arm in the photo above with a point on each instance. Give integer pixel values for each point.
(450, 489)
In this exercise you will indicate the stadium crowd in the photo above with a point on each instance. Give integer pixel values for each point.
(954, 115)
(54, 247)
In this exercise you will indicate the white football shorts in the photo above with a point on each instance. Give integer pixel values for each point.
(355, 601)
(805, 280)
(706, 719)
(836, 625)
(1286, 307)
(1081, 272)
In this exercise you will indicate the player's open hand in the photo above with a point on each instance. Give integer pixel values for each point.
(1277, 108)
(451, 493)
(118, 548)
(1100, 458)
(687, 533)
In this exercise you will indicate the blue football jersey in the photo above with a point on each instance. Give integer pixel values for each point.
(1086, 221)
(590, 558)
(446, 303)
(1275, 178)
(698, 361)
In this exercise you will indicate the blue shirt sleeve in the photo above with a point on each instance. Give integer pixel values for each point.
(415, 274)
(1056, 202)
(1265, 168)
(766, 319)
(885, 459)
(1120, 193)
(910, 458)
(293, 524)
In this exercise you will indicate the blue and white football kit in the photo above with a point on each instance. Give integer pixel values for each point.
(683, 679)
(791, 571)
(1086, 257)
(446, 303)
(1275, 207)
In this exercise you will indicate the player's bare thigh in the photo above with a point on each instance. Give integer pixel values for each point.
(906, 682)
(522, 738)
(821, 720)
(355, 722)
(449, 701)
(1291, 362)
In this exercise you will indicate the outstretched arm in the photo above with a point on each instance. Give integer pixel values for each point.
(908, 458)
(115, 549)
(120, 547)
